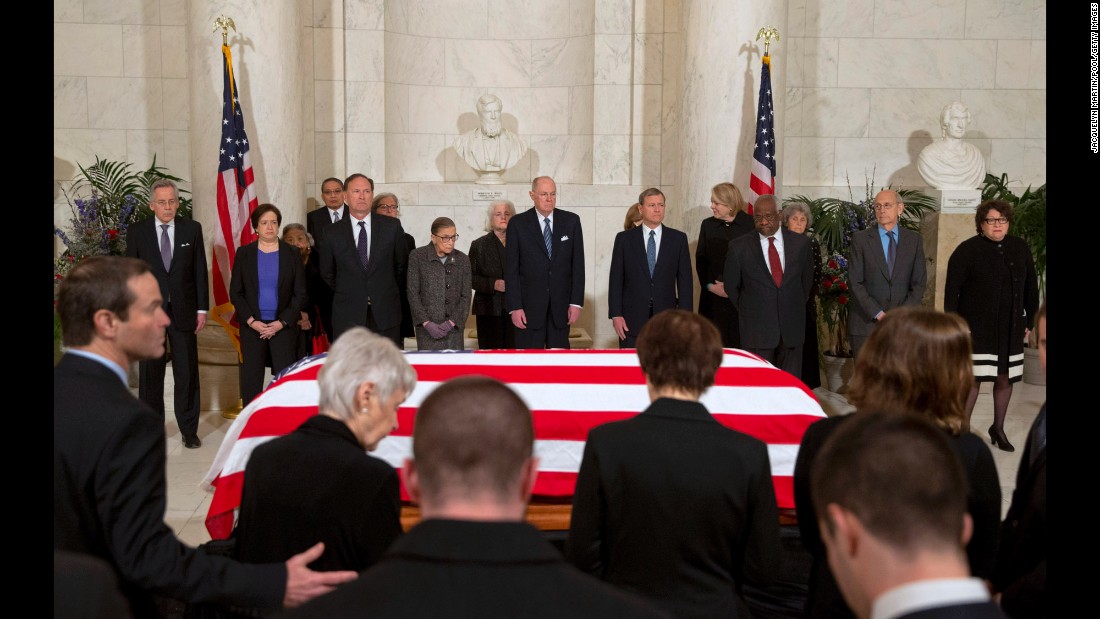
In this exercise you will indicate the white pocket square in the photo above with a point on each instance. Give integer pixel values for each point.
(565, 238)
(184, 244)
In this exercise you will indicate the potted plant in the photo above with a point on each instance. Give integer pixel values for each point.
(1030, 224)
(835, 221)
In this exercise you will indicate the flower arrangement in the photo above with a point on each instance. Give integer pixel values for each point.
(835, 221)
(106, 199)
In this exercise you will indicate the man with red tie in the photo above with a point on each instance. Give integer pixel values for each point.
(768, 280)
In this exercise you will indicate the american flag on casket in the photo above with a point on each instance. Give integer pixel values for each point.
(569, 392)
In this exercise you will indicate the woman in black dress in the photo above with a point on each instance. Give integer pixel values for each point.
(991, 283)
(916, 361)
(729, 222)
(798, 219)
(494, 326)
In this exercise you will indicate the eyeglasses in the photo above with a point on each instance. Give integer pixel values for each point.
(164, 203)
(883, 207)
(545, 195)
(334, 192)
(446, 239)
(995, 220)
(765, 216)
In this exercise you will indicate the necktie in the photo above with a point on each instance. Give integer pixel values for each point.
(335, 216)
(774, 263)
(165, 247)
(651, 251)
(891, 253)
(361, 245)
(546, 236)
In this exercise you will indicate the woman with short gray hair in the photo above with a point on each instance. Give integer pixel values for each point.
(494, 327)
(318, 483)
(798, 218)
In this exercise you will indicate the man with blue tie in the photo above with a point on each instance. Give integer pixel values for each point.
(650, 271)
(362, 259)
(173, 248)
(544, 270)
(886, 269)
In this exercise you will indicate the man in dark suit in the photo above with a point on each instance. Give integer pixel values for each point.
(472, 555)
(886, 269)
(650, 271)
(889, 493)
(332, 194)
(768, 280)
(362, 260)
(671, 504)
(173, 248)
(544, 270)
(1020, 574)
(109, 456)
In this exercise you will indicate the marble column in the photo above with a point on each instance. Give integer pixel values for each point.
(266, 48)
(720, 78)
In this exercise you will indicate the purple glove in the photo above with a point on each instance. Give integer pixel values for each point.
(437, 330)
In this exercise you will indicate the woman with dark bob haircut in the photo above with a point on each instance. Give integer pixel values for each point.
(916, 361)
(268, 291)
(991, 283)
(686, 532)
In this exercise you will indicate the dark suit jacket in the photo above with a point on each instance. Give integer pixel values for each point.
(766, 312)
(463, 569)
(685, 532)
(872, 287)
(244, 286)
(1021, 570)
(533, 282)
(630, 289)
(186, 283)
(284, 510)
(320, 218)
(85, 587)
(109, 498)
(352, 287)
(487, 257)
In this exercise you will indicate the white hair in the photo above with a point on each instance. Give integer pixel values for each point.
(358, 356)
(492, 207)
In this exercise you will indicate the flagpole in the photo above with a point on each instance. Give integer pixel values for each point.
(762, 171)
(224, 24)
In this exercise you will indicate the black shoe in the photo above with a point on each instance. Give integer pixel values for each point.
(998, 438)
(192, 442)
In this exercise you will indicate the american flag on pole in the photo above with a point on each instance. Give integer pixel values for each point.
(236, 199)
(569, 392)
(762, 173)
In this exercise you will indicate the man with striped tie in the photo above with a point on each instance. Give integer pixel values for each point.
(544, 270)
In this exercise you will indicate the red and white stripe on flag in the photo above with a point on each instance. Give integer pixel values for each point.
(236, 197)
(569, 393)
(762, 173)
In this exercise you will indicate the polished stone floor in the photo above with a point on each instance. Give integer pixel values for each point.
(188, 503)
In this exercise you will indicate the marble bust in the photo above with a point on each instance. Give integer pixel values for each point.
(490, 149)
(950, 163)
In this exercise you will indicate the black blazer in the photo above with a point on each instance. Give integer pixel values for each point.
(487, 256)
(186, 282)
(353, 287)
(284, 510)
(872, 287)
(710, 254)
(473, 570)
(110, 496)
(533, 282)
(320, 218)
(244, 286)
(766, 312)
(631, 290)
(683, 530)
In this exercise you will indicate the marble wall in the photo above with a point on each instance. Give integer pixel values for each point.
(612, 96)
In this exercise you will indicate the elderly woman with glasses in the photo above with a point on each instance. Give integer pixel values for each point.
(991, 282)
(494, 325)
(439, 289)
(798, 219)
